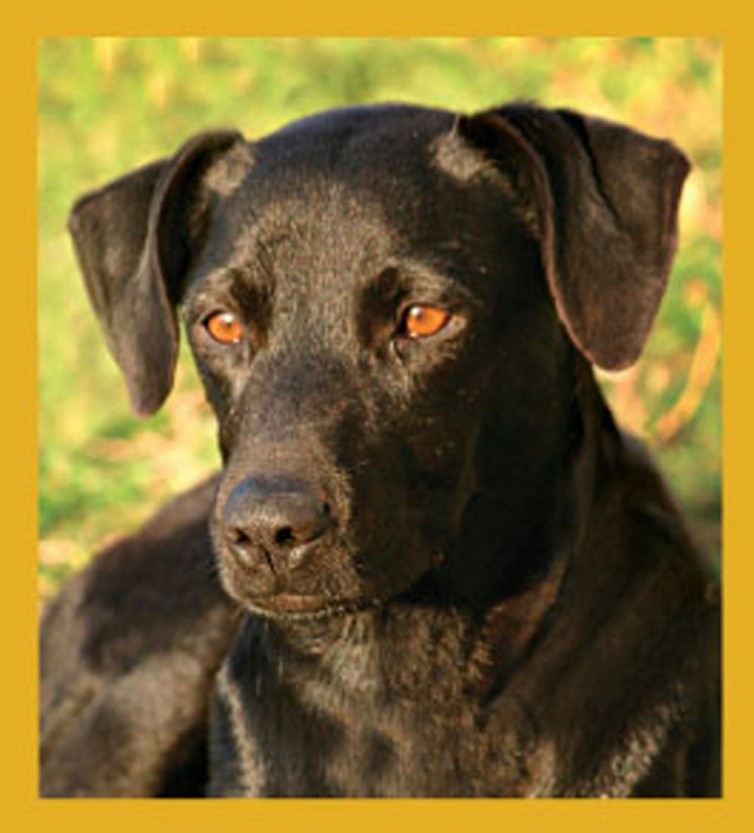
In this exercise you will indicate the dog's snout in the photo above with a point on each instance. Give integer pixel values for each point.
(279, 519)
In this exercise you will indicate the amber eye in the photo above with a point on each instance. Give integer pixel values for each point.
(224, 328)
(420, 321)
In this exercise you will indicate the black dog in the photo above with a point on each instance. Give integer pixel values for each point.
(459, 578)
(129, 652)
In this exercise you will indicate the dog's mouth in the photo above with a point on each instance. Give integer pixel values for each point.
(299, 606)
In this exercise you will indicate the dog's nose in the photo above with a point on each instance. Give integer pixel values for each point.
(281, 518)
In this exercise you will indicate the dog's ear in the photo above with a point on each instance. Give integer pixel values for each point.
(134, 240)
(604, 200)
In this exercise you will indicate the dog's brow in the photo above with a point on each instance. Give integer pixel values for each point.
(246, 285)
(435, 274)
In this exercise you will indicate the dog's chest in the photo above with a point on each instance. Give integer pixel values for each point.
(373, 714)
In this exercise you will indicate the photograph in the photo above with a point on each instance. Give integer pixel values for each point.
(379, 415)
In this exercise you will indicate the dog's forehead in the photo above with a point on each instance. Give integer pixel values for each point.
(343, 190)
(355, 163)
(371, 129)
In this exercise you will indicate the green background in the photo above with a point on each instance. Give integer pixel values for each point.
(110, 104)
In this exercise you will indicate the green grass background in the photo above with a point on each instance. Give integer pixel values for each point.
(107, 105)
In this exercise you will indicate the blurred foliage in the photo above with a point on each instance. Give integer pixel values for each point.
(110, 104)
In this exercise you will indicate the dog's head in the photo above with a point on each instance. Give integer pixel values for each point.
(386, 305)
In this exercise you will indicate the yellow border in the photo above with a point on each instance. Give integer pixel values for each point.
(26, 22)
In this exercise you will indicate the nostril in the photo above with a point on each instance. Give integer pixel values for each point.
(236, 536)
(285, 537)
(302, 528)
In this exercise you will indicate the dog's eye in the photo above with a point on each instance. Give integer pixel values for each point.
(422, 321)
(224, 328)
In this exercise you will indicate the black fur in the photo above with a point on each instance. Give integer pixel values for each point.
(459, 578)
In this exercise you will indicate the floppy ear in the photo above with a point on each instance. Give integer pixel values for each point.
(605, 200)
(134, 241)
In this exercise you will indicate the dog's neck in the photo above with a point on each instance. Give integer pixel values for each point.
(512, 535)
